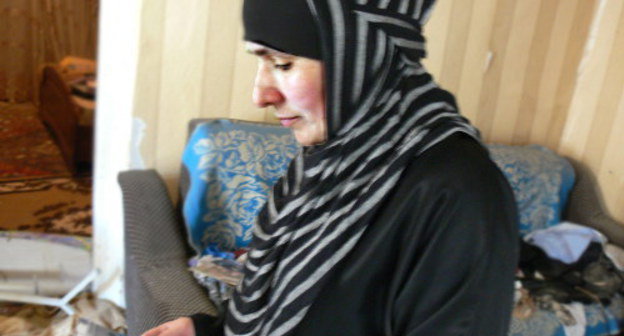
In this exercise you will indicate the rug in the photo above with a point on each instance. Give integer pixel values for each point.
(53, 205)
(26, 148)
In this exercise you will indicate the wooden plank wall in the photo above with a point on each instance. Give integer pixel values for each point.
(539, 71)
(524, 71)
(192, 64)
(511, 63)
(594, 132)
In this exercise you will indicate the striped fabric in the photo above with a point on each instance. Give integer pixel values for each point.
(383, 111)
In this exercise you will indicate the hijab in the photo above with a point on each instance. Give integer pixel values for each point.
(383, 111)
(283, 25)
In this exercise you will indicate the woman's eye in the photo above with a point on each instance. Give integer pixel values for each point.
(283, 66)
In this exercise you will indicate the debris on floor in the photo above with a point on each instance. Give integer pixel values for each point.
(93, 318)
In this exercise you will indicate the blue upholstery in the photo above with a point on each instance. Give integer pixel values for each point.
(601, 321)
(231, 166)
(541, 181)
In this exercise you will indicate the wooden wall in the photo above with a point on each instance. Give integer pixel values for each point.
(594, 131)
(549, 72)
(192, 64)
(512, 63)
(524, 71)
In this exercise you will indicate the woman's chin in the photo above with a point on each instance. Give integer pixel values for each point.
(305, 139)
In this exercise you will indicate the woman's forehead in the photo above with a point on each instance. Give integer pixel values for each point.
(262, 50)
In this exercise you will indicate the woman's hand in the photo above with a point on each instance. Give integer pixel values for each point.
(179, 327)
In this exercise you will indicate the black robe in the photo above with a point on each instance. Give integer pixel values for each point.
(438, 260)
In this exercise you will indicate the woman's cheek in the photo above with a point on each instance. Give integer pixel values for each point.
(305, 95)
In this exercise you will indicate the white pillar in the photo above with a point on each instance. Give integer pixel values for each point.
(117, 67)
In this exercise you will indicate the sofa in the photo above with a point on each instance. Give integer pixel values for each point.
(67, 108)
(158, 245)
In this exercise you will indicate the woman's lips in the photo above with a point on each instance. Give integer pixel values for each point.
(287, 122)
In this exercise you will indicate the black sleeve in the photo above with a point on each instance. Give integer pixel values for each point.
(454, 274)
(207, 325)
(439, 259)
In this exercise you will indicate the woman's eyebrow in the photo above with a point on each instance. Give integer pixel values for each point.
(267, 52)
(258, 52)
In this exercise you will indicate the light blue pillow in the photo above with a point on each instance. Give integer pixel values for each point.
(230, 167)
(541, 181)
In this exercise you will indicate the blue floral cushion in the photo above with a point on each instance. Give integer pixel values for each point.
(541, 181)
(231, 166)
(600, 321)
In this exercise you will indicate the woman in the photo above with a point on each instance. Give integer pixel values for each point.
(393, 220)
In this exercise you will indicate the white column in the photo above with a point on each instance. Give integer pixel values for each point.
(117, 68)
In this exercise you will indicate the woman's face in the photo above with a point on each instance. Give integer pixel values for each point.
(294, 86)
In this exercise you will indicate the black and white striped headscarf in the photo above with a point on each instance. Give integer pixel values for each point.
(383, 110)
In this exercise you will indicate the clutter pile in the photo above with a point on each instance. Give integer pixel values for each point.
(564, 267)
(93, 317)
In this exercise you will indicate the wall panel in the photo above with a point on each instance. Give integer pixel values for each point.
(535, 69)
(192, 64)
(611, 170)
(477, 59)
(594, 131)
(577, 40)
(515, 69)
(220, 61)
(147, 91)
(551, 75)
(485, 113)
(512, 64)
(437, 32)
(181, 91)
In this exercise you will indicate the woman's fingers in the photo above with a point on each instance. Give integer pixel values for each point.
(179, 327)
(156, 331)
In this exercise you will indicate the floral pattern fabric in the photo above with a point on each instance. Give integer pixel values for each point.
(541, 181)
(601, 321)
(231, 166)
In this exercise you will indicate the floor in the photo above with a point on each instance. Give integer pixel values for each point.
(26, 148)
(39, 198)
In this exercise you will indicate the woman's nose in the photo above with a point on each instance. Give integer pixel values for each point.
(265, 92)
(264, 96)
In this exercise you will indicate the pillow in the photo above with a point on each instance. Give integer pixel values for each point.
(541, 181)
(229, 167)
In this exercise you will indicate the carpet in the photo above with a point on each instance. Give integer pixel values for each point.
(52, 205)
(26, 148)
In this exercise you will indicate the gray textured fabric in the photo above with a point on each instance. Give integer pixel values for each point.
(586, 206)
(158, 285)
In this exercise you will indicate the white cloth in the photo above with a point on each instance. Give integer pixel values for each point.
(565, 242)
(578, 312)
